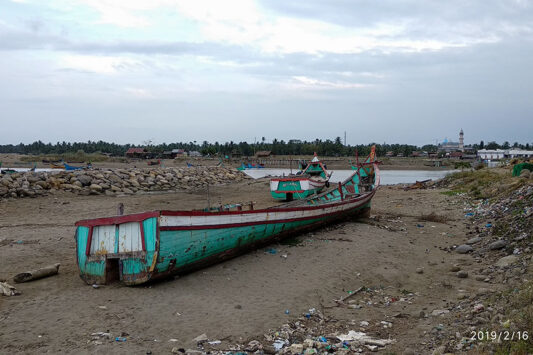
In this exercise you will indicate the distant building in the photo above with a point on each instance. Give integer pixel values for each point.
(519, 153)
(137, 153)
(179, 153)
(491, 154)
(194, 153)
(263, 153)
(455, 155)
(497, 154)
(449, 147)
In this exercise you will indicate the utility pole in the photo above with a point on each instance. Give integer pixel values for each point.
(255, 141)
(345, 138)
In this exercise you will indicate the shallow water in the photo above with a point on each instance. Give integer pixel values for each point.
(388, 177)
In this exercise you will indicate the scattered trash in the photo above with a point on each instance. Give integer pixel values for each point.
(96, 286)
(173, 340)
(287, 311)
(102, 307)
(469, 214)
(37, 274)
(386, 324)
(438, 312)
(420, 225)
(479, 308)
(364, 339)
(214, 342)
(322, 339)
(418, 185)
(488, 225)
(278, 344)
(101, 335)
(8, 290)
(284, 256)
(200, 339)
(271, 251)
(120, 339)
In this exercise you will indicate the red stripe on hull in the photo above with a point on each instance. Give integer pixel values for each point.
(275, 209)
(139, 217)
(247, 224)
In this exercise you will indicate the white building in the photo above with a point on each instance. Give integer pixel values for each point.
(491, 154)
(497, 154)
(519, 153)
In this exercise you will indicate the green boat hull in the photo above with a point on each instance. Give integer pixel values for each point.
(135, 249)
(183, 251)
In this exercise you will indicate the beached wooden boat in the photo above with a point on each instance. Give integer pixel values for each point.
(56, 166)
(154, 162)
(71, 167)
(250, 166)
(6, 171)
(310, 181)
(141, 247)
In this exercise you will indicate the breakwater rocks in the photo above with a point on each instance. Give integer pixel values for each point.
(114, 181)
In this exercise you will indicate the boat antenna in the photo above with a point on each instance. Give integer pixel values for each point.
(208, 199)
(290, 162)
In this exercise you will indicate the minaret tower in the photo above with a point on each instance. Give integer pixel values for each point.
(461, 141)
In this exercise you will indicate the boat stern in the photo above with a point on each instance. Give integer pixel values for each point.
(117, 248)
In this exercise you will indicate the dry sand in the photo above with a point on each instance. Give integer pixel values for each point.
(13, 160)
(236, 300)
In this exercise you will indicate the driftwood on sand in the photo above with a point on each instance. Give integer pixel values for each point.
(37, 274)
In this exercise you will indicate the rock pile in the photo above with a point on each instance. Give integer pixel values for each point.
(114, 181)
(500, 232)
(504, 223)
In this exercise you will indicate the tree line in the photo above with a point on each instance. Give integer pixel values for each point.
(278, 147)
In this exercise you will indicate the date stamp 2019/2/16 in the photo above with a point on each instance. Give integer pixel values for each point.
(498, 335)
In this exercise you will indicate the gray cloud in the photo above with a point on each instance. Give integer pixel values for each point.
(484, 87)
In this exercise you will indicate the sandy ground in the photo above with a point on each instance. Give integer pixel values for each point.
(396, 163)
(236, 300)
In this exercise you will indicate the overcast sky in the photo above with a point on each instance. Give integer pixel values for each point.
(170, 70)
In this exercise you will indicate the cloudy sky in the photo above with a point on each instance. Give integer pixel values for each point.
(395, 71)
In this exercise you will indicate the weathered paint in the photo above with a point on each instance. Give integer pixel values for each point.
(103, 240)
(117, 241)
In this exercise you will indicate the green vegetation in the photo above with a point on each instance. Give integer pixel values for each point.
(278, 147)
(462, 165)
(520, 316)
(483, 183)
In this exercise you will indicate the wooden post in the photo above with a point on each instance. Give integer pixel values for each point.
(37, 274)
(120, 209)
(340, 191)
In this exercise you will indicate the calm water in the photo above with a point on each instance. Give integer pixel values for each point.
(388, 177)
